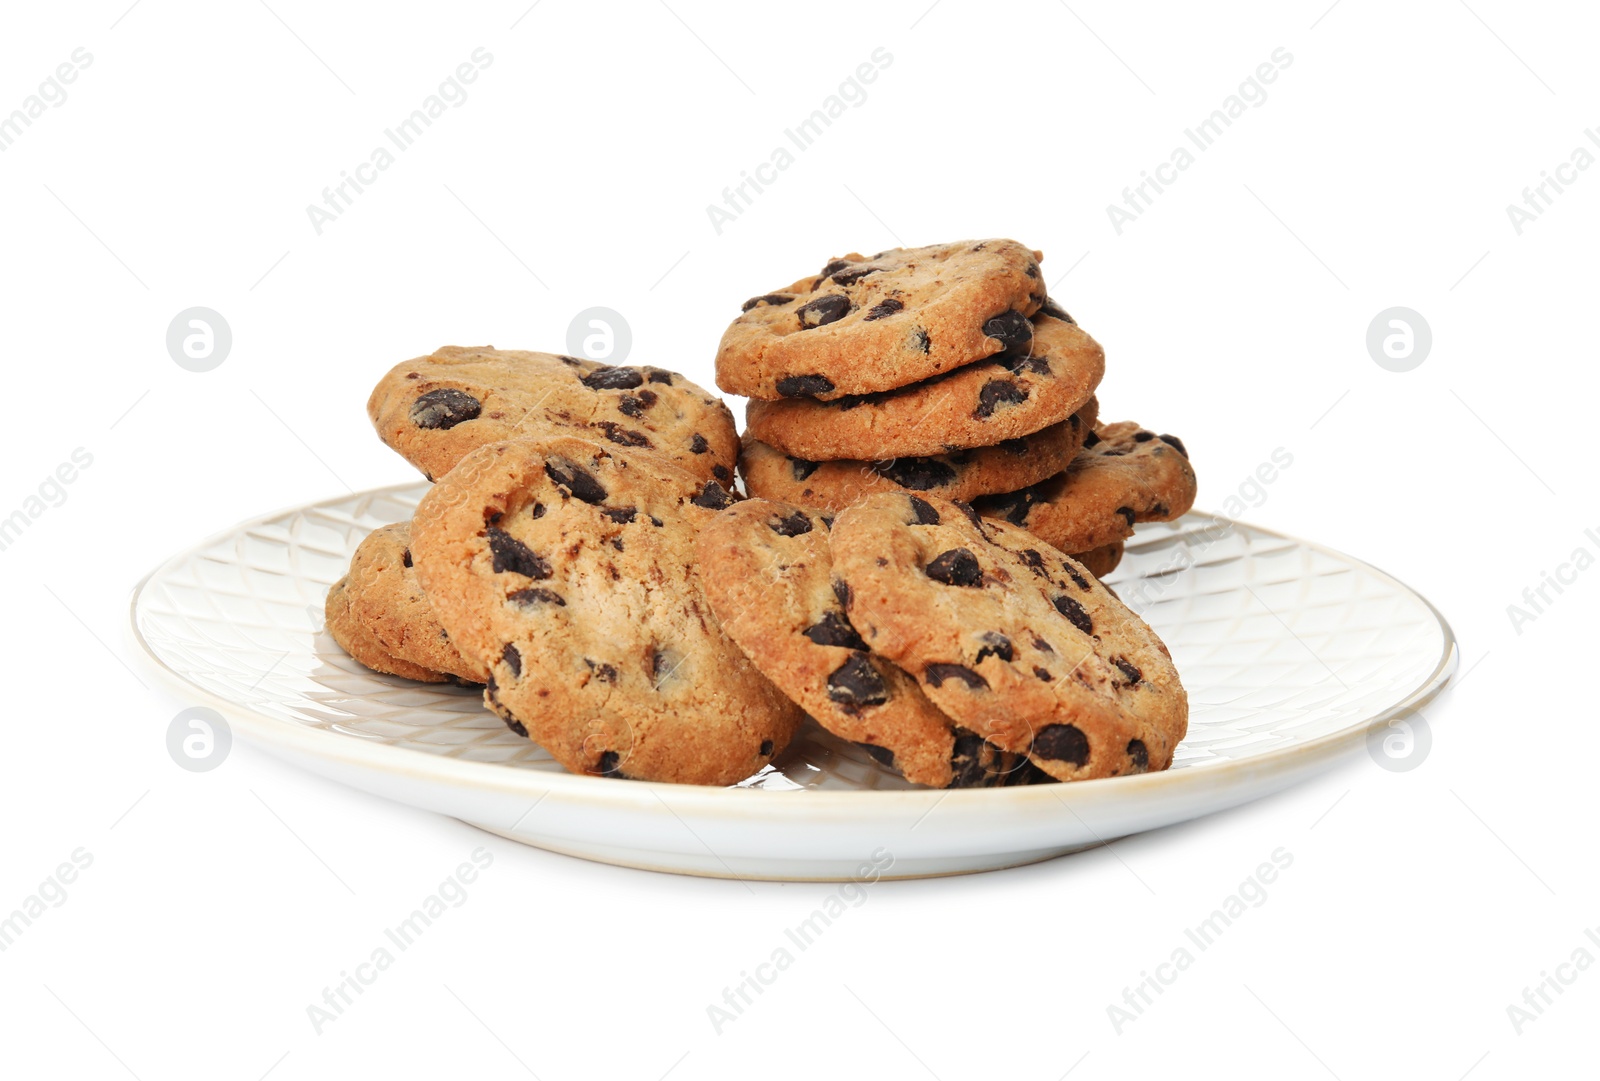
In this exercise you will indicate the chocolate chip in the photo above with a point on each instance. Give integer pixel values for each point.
(1143, 437)
(854, 274)
(1140, 754)
(609, 378)
(698, 444)
(1041, 645)
(995, 393)
(1126, 512)
(538, 510)
(530, 597)
(515, 725)
(1018, 363)
(1062, 743)
(658, 376)
(1012, 328)
(512, 555)
(1176, 444)
(1074, 613)
(882, 309)
(834, 629)
(881, 755)
(623, 437)
(920, 341)
(1090, 440)
(834, 267)
(936, 674)
(995, 644)
(924, 511)
(620, 515)
(573, 362)
(441, 410)
(917, 474)
(822, 311)
(792, 526)
(957, 567)
(770, 298)
(657, 522)
(843, 593)
(724, 474)
(1035, 562)
(1043, 673)
(1018, 447)
(1128, 669)
(634, 405)
(1013, 506)
(609, 765)
(856, 684)
(973, 762)
(512, 658)
(579, 482)
(802, 386)
(802, 468)
(605, 673)
(713, 497)
(766, 749)
(1072, 572)
(1055, 311)
(405, 558)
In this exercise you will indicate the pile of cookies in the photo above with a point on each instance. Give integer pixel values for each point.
(923, 451)
(945, 370)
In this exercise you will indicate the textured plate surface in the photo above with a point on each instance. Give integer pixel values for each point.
(1291, 654)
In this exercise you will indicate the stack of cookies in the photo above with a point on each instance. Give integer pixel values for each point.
(945, 371)
(924, 452)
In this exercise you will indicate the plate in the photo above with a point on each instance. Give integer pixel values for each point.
(1294, 655)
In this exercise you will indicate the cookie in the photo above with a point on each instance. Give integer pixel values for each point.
(1009, 637)
(863, 325)
(386, 598)
(357, 640)
(976, 405)
(961, 474)
(568, 569)
(1125, 474)
(436, 409)
(1100, 561)
(775, 596)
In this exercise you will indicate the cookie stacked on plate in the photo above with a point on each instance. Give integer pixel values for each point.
(946, 371)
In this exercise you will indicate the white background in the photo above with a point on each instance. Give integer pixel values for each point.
(1234, 312)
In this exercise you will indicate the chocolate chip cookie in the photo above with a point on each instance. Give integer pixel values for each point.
(436, 409)
(356, 639)
(1124, 474)
(973, 406)
(386, 598)
(961, 474)
(775, 596)
(1009, 637)
(869, 324)
(568, 568)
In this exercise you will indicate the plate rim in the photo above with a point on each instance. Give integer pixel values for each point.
(413, 765)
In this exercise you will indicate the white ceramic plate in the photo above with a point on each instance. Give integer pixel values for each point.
(1292, 654)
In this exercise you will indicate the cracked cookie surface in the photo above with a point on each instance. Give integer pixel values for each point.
(568, 569)
(870, 324)
(1009, 637)
(436, 409)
